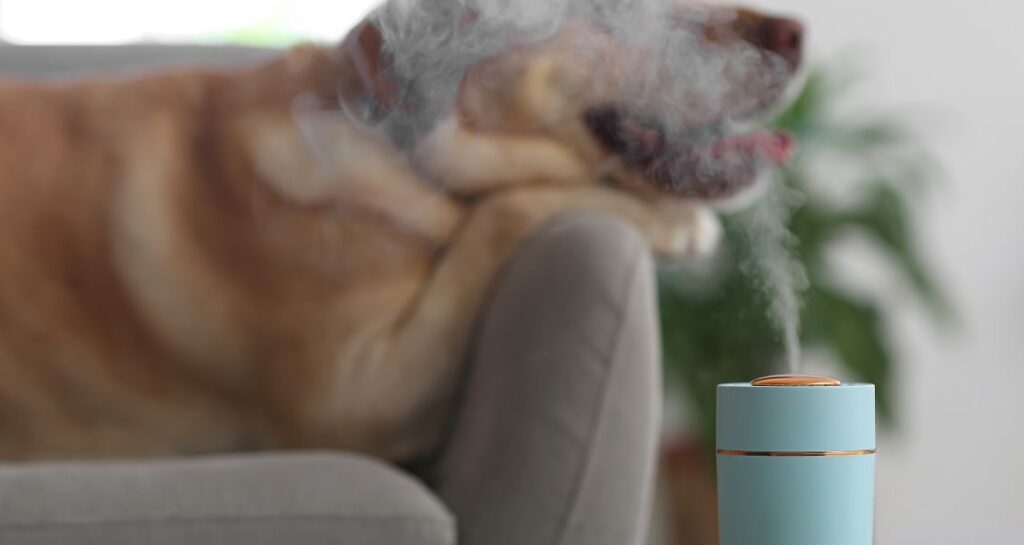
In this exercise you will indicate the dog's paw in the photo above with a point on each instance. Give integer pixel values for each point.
(695, 232)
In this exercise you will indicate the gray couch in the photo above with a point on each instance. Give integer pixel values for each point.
(554, 441)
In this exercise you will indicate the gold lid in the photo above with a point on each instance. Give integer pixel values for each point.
(795, 380)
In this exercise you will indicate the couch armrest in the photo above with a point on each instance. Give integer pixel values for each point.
(295, 499)
(555, 440)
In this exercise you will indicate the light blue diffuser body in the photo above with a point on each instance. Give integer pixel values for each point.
(796, 463)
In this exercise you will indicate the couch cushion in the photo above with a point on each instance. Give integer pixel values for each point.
(287, 499)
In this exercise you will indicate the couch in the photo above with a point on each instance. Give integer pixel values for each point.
(553, 443)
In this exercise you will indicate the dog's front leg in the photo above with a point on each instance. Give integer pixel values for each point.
(422, 356)
(468, 162)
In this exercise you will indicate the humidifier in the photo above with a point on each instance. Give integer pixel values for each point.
(796, 461)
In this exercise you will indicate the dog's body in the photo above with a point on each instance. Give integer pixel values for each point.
(186, 267)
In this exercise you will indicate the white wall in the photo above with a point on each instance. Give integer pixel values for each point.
(954, 473)
(125, 21)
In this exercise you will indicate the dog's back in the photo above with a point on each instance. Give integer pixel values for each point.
(144, 263)
(70, 338)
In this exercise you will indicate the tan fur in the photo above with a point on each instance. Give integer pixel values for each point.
(191, 263)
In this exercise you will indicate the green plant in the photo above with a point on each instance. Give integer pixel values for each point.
(716, 326)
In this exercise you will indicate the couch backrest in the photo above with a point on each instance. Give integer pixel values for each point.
(71, 61)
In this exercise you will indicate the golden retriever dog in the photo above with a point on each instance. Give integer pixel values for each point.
(293, 255)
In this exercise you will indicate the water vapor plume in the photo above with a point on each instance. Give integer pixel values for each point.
(772, 265)
(684, 82)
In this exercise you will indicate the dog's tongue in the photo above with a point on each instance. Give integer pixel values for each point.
(681, 166)
(726, 166)
(763, 146)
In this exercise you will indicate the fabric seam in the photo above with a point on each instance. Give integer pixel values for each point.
(601, 407)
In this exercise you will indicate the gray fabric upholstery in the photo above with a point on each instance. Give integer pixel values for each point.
(66, 61)
(555, 444)
(283, 499)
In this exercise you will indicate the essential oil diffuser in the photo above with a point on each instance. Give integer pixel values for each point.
(796, 462)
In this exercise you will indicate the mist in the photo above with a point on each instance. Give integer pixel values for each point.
(773, 267)
(433, 43)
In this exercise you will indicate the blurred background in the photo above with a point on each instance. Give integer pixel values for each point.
(950, 470)
(913, 173)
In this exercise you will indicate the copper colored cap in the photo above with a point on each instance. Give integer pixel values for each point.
(795, 380)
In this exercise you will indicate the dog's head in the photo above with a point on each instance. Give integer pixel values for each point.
(659, 108)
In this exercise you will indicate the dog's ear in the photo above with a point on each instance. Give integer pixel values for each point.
(365, 46)
(373, 63)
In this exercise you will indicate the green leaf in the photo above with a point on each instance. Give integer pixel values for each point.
(721, 336)
(853, 331)
(807, 108)
(885, 216)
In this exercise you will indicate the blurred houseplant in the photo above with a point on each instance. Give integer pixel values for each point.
(715, 323)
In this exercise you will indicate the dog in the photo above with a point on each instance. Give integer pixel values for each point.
(203, 261)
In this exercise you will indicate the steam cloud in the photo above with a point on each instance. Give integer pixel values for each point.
(433, 43)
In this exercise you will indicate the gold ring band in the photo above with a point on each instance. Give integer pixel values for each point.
(727, 452)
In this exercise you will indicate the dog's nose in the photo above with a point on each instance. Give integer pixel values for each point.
(781, 36)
